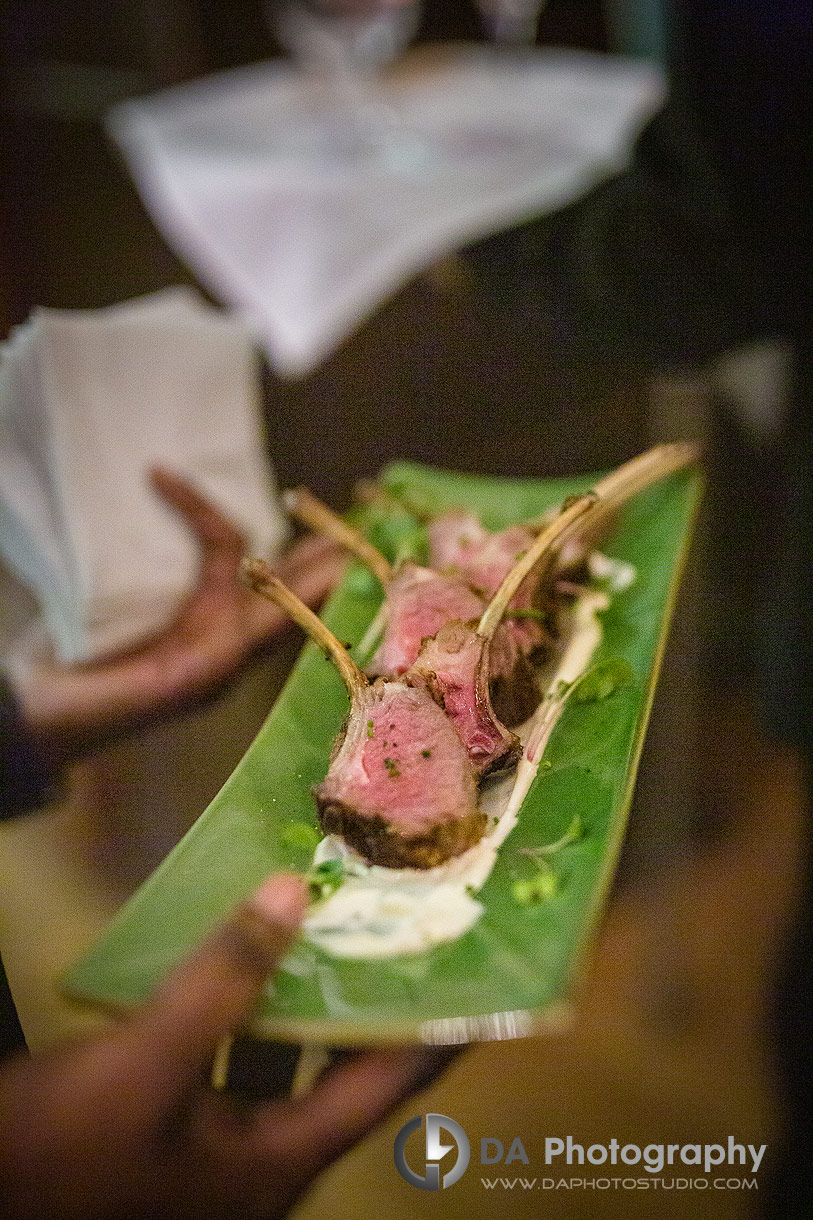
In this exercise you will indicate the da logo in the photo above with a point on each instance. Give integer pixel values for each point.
(435, 1152)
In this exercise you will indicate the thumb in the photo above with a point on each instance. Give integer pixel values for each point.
(215, 989)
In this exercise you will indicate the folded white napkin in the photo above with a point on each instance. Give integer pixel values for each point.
(246, 175)
(88, 401)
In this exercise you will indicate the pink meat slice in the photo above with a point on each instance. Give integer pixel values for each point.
(419, 602)
(400, 787)
(459, 544)
(457, 540)
(453, 668)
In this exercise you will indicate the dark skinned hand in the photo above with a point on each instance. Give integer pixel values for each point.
(126, 1125)
(220, 626)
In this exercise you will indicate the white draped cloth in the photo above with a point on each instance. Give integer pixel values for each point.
(245, 175)
(89, 399)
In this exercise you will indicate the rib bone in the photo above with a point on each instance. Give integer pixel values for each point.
(262, 578)
(311, 512)
(586, 510)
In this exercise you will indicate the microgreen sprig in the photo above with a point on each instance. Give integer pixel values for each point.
(528, 891)
(573, 833)
(324, 879)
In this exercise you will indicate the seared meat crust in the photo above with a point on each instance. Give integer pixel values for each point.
(380, 843)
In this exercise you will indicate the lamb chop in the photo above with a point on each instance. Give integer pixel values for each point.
(400, 788)
(479, 674)
(461, 666)
(419, 600)
(420, 604)
(460, 545)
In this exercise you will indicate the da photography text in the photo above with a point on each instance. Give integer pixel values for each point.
(422, 1160)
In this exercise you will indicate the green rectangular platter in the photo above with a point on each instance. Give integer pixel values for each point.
(514, 972)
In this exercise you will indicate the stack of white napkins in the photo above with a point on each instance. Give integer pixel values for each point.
(249, 177)
(88, 401)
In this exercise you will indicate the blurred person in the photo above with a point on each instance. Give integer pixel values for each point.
(52, 713)
(126, 1125)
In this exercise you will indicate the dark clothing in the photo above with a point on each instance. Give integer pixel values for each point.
(12, 1039)
(703, 245)
(26, 781)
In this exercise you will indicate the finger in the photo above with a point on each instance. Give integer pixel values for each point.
(265, 620)
(312, 584)
(347, 1102)
(219, 538)
(311, 568)
(307, 550)
(215, 990)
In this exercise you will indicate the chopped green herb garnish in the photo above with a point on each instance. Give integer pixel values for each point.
(325, 878)
(370, 729)
(602, 679)
(329, 868)
(533, 890)
(392, 767)
(426, 753)
(299, 834)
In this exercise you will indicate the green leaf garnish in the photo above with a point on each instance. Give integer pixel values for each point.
(300, 835)
(573, 833)
(325, 878)
(398, 535)
(532, 890)
(602, 679)
(529, 891)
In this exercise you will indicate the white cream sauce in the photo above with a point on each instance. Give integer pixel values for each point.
(385, 912)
